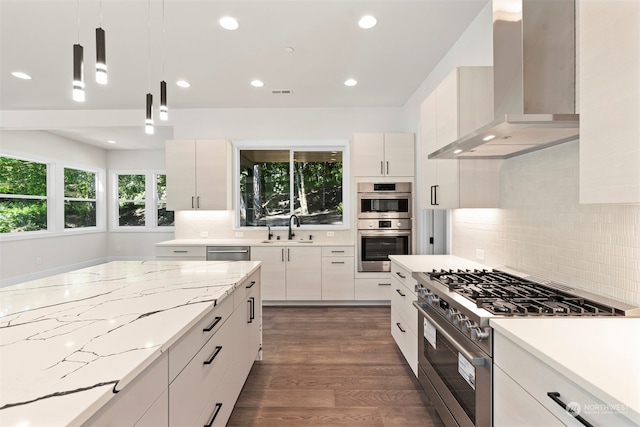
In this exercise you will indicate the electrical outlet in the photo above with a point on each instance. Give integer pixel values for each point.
(330, 233)
(239, 234)
(480, 254)
(204, 234)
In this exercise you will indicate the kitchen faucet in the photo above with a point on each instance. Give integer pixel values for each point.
(269, 233)
(297, 220)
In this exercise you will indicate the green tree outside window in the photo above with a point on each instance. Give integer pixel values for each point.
(23, 195)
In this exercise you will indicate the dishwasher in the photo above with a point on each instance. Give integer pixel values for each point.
(228, 253)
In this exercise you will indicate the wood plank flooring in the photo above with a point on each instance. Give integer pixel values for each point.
(331, 366)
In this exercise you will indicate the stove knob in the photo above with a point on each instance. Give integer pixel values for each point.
(450, 314)
(477, 334)
(459, 318)
(433, 299)
(467, 325)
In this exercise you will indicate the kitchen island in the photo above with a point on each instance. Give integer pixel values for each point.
(72, 345)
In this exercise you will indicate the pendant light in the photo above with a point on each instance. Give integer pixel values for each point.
(78, 67)
(101, 53)
(164, 110)
(148, 124)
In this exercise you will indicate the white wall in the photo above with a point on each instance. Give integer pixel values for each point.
(32, 258)
(541, 228)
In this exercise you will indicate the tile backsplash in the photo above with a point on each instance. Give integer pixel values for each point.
(543, 230)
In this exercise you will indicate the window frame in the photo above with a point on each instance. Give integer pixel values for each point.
(294, 146)
(99, 198)
(150, 202)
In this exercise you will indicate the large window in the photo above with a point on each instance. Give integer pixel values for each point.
(141, 201)
(23, 195)
(275, 184)
(80, 198)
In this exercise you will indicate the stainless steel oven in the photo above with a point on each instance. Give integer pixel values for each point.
(454, 373)
(384, 224)
(384, 200)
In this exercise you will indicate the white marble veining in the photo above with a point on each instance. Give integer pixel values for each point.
(67, 342)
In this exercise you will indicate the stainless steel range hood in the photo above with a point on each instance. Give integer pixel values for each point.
(534, 82)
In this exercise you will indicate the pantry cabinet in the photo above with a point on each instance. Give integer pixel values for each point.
(198, 174)
(609, 69)
(461, 103)
(383, 154)
(290, 272)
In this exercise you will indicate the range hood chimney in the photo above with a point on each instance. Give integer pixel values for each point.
(534, 82)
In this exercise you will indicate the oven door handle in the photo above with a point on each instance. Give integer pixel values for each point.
(474, 360)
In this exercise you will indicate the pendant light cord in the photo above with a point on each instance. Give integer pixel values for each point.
(149, 69)
(78, 21)
(100, 13)
(163, 47)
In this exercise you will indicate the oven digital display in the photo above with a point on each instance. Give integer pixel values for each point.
(384, 187)
(444, 305)
(384, 224)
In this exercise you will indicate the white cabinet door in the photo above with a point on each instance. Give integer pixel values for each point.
(273, 267)
(338, 278)
(373, 289)
(368, 154)
(399, 154)
(304, 273)
(609, 34)
(198, 174)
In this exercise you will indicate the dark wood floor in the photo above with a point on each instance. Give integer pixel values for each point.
(331, 366)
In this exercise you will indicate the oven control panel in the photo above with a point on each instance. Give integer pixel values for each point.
(384, 224)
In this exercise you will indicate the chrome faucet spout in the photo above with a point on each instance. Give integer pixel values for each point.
(297, 221)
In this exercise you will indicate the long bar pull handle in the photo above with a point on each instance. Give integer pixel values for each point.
(213, 325)
(434, 195)
(337, 262)
(288, 254)
(381, 167)
(180, 252)
(400, 327)
(214, 415)
(400, 292)
(252, 311)
(337, 252)
(193, 202)
(198, 202)
(213, 356)
(384, 284)
(387, 168)
(282, 254)
(555, 396)
(231, 251)
(249, 286)
(400, 274)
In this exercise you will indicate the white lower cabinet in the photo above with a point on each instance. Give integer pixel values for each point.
(181, 253)
(523, 383)
(404, 316)
(378, 289)
(338, 269)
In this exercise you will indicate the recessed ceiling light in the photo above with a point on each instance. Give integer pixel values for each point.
(111, 141)
(257, 83)
(458, 151)
(488, 137)
(289, 49)
(183, 83)
(229, 23)
(21, 75)
(350, 82)
(367, 22)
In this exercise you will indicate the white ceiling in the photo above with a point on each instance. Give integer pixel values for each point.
(389, 61)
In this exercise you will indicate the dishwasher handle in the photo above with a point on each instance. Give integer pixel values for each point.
(228, 253)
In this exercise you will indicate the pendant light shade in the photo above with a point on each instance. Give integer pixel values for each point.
(101, 57)
(78, 73)
(164, 110)
(148, 124)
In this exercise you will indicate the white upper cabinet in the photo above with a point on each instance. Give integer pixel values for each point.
(461, 103)
(383, 154)
(198, 175)
(609, 66)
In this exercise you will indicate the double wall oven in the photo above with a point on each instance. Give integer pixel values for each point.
(384, 224)
(455, 339)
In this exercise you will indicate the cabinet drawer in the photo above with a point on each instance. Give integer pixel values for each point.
(538, 378)
(243, 290)
(186, 348)
(337, 278)
(193, 387)
(182, 252)
(337, 251)
(406, 339)
(401, 301)
(373, 289)
(221, 403)
(404, 276)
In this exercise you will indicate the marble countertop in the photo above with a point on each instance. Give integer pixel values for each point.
(67, 342)
(420, 263)
(250, 242)
(600, 354)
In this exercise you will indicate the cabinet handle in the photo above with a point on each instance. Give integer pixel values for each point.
(401, 276)
(400, 327)
(384, 284)
(337, 252)
(337, 262)
(214, 415)
(253, 282)
(198, 202)
(193, 202)
(434, 195)
(213, 325)
(282, 254)
(381, 167)
(288, 254)
(387, 168)
(400, 292)
(252, 311)
(555, 396)
(180, 252)
(213, 356)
